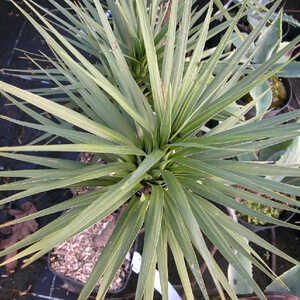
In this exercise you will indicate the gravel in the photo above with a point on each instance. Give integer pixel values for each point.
(76, 257)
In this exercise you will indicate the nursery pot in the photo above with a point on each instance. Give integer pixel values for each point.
(94, 237)
(75, 286)
(289, 103)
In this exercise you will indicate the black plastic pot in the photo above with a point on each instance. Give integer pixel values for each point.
(286, 27)
(76, 286)
(290, 103)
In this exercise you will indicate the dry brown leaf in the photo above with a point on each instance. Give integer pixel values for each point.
(18, 231)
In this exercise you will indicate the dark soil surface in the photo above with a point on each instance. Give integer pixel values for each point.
(288, 241)
(36, 279)
(19, 284)
(16, 32)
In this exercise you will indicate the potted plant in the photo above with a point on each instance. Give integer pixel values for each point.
(140, 106)
(255, 223)
(275, 93)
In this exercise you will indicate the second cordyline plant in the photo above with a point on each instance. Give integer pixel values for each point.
(152, 87)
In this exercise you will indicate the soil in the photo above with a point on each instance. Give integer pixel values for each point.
(19, 285)
(287, 240)
(77, 257)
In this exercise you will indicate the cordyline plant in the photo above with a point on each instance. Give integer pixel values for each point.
(140, 106)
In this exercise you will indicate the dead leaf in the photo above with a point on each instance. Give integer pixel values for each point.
(18, 231)
(23, 293)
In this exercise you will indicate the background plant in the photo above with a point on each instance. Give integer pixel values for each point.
(152, 89)
(269, 41)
